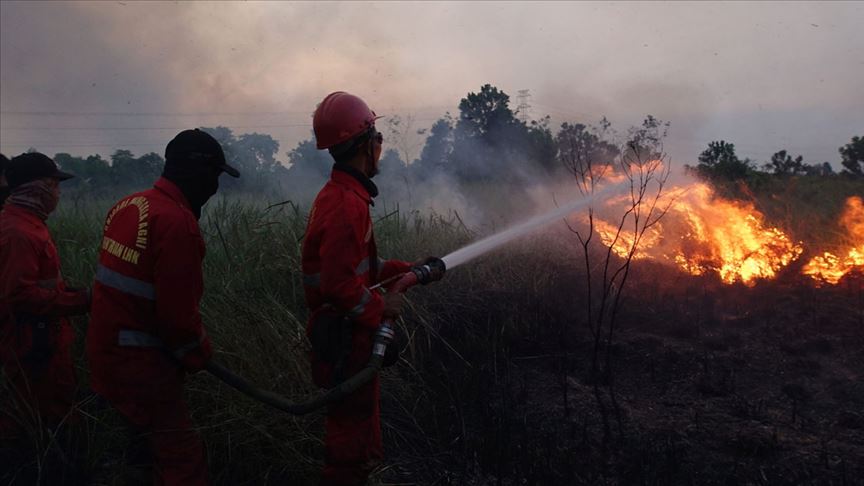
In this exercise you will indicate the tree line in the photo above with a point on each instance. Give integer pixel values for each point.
(485, 142)
(719, 161)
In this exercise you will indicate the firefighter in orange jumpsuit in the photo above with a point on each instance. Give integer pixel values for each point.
(38, 376)
(145, 328)
(339, 263)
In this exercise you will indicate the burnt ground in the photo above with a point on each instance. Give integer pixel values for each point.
(714, 384)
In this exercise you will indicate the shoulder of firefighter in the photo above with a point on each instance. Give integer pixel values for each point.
(149, 279)
(340, 260)
(30, 279)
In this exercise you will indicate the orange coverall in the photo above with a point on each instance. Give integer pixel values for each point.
(145, 328)
(35, 338)
(339, 263)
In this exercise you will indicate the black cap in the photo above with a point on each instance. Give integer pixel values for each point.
(4, 162)
(197, 147)
(31, 166)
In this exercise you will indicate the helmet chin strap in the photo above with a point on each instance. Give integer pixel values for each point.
(371, 170)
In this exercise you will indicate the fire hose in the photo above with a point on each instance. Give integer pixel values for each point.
(421, 274)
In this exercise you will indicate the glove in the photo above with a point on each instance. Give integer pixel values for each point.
(430, 269)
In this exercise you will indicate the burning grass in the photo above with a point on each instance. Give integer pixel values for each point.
(705, 234)
(830, 268)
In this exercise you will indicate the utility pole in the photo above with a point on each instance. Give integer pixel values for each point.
(523, 110)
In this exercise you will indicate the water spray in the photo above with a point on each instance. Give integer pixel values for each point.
(489, 243)
(421, 274)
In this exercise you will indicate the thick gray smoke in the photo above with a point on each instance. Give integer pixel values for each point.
(94, 77)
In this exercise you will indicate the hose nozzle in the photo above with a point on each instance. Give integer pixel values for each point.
(430, 271)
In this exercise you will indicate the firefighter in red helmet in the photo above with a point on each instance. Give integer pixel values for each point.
(145, 328)
(37, 375)
(340, 262)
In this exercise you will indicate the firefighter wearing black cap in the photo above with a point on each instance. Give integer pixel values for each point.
(145, 328)
(35, 336)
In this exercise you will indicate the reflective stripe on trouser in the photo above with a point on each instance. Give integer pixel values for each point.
(126, 284)
(140, 339)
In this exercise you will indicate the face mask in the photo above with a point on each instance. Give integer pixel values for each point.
(197, 183)
(198, 191)
(39, 196)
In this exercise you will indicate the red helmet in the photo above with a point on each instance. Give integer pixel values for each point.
(339, 118)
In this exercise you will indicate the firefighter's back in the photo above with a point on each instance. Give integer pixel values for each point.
(123, 312)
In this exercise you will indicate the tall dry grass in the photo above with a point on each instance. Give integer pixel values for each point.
(481, 344)
(253, 310)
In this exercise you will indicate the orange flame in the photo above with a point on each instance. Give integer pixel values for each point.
(622, 242)
(830, 268)
(702, 234)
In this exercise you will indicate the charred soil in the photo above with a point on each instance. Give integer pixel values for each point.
(713, 384)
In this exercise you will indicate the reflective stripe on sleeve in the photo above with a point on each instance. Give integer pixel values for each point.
(129, 285)
(359, 308)
(138, 339)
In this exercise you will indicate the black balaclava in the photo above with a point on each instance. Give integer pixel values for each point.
(193, 161)
(198, 183)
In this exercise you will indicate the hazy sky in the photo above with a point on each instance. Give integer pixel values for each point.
(92, 77)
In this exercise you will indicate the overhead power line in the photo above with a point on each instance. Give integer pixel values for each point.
(215, 125)
(83, 145)
(138, 113)
(250, 127)
(307, 113)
